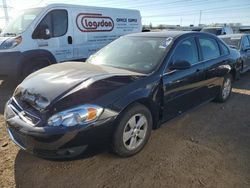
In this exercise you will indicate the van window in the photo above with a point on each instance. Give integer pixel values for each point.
(209, 48)
(187, 51)
(57, 23)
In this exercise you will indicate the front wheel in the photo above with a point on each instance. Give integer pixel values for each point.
(225, 90)
(133, 131)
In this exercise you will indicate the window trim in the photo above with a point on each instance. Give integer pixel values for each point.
(66, 31)
(167, 63)
(191, 37)
(202, 56)
(220, 46)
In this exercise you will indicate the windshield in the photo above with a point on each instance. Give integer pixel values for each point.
(235, 42)
(215, 31)
(138, 54)
(21, 22)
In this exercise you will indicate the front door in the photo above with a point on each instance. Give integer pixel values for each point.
(60, 42)
(183, 89)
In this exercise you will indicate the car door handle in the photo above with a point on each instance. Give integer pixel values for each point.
(198, 70)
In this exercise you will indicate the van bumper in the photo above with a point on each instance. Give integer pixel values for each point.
(9, 64)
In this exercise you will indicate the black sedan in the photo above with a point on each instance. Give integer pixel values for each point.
(241, 42)
(120, 94)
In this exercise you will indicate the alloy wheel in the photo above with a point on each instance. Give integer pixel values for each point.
(135, 131)
(226, 88)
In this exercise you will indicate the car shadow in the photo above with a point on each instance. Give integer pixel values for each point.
(6, 90)
(28, 163)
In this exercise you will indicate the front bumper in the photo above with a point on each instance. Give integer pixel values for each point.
(56, 142)
(9, 64)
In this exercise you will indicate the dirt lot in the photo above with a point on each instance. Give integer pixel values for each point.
(208, 147)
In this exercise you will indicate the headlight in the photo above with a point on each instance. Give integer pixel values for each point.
(81, 115)
(11, 43)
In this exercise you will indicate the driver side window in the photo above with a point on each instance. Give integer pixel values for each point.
(186, 51)
(55, 21)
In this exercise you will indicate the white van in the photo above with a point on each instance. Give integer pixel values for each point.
(55, 33)
(225, 30)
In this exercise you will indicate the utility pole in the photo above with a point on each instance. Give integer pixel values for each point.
(5, 8)
(200, 17)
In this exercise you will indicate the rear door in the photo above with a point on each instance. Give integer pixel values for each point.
(60, 43)
(183, 89)
(215, 61)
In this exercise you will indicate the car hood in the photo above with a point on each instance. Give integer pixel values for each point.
(52, 83)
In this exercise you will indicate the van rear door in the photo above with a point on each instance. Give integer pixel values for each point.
(58, 29)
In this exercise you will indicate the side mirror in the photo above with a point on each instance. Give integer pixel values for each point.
(180, 65)
(44, 32)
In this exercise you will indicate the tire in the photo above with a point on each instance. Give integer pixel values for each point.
(225, 90)
(29, 69)
(133, 130)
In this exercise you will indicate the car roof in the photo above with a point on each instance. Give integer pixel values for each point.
(238, 35)
(53, 5)
(162, 34)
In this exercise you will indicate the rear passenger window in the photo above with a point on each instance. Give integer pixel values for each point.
(224, 49)
(209, 48)
(187, 51)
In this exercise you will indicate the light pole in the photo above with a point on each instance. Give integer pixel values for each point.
(200, 17)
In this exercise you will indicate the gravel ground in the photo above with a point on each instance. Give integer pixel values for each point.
(208, 147)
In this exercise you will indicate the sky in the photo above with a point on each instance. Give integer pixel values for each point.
(170, 12)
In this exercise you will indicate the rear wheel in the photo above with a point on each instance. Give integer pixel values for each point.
(225, 90)
(133, 131)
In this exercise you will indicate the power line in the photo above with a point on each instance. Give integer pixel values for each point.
(121, 2)
(204, 11)
(167, 6)
(193, 6)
